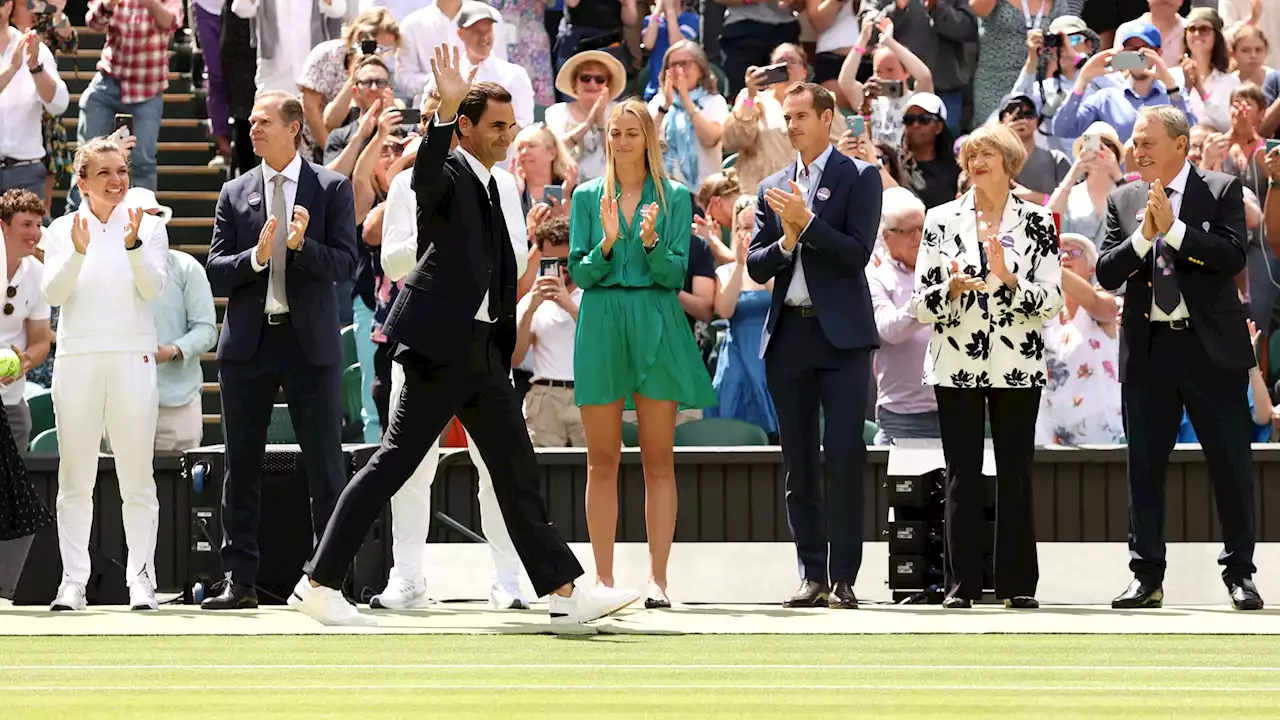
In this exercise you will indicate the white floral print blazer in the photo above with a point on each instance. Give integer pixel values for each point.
(993, 338)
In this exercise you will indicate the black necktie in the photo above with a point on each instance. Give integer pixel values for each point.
(500, 238)
(1164, 283)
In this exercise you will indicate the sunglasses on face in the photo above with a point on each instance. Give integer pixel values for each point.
(11, 293)
(913, 118)
(1020, 114)
(587, 79)
(375, 83)
(1199, 29)
(1077, 38)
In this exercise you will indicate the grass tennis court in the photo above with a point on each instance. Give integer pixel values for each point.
(379, 676)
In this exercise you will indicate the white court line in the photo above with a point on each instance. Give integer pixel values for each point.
(607, 666)
(919, 687)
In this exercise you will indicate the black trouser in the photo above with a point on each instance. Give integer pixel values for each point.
(248, 390)
(1013, 430)
(242, 158)
(805, 373)
(484, 401)
(381, 388)
(748, 42)
(1181, 374)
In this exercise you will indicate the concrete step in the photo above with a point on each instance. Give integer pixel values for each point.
(78, 80)
(176, 105)
(171, 129)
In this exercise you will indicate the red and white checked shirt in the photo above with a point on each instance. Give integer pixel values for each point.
(136, 53)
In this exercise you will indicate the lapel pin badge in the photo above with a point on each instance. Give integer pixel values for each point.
(1206, 226)
(824, 193)
(1007, 241)
(255, 199)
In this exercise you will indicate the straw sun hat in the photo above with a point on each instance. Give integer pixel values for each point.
(569, 73)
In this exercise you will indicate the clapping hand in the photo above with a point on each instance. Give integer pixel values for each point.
(369, 121)
(80, 233)
(450, 83)
(996, 264)
(135, 224)
(648, 223)
(706, 228)
(298, 228)
(961, 282)
(609, 221)
(791, 209)
(266, 241)
(31, 48)
(1159, 209)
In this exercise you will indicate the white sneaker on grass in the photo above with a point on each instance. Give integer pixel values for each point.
(504, 598)
(70, 596)
(326, 605)
(587, 604)
(142, 593)
(402, 594)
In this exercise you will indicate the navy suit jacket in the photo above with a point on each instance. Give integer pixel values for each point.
(837, 246)
(328, 256)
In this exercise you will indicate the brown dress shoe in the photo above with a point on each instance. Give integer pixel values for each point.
(810, 594)
(842, 597)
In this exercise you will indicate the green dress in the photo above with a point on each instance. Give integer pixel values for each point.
(633, 336)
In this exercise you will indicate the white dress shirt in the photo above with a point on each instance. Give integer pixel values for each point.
(1173, 238)
(28, 304)
(513, 78)
(293, 44)
(290, 173)
(421, 32)
(21, 137)
(399, 249)
(808, 179)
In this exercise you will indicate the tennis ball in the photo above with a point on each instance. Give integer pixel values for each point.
(10, 365)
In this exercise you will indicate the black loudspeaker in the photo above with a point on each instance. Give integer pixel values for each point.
(285, 535)
(914, 537)
(913, 572)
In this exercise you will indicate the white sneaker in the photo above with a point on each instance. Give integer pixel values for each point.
(402, 594)
(142, 593)
(70, 596)
(326, 605)
(502, 598)
(587, 604)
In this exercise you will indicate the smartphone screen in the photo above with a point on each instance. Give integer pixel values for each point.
(410, 116)
(125, 121)
(1273, 144)
(1093, 143)
(549, 267)
(773, 74)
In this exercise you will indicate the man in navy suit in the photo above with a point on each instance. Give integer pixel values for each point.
(816, 224)
(277, 265)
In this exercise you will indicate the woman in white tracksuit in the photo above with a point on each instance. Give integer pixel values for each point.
(104, 264)
(411, 505)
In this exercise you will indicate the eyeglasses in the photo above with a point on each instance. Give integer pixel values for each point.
(1199, 29)
(913, 118)
(917, 230)
(11, 293)
(588, 78)
(376, 83)
(1073, 253)
(1077, 38)
(681, 64)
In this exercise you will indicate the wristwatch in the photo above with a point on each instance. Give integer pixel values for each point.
(664, 109)
(1175, 90)
(39, 68)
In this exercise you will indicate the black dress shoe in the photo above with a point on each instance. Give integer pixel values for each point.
(234, 597)
(842, 597)
(1244, 594)
(810, 594)
(1139, 595)
(1022, 602)
(957, 603)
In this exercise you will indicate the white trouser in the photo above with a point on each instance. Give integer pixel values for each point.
(411, 511)
(116, 392)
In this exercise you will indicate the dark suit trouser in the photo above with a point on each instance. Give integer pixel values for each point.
(485, 402)
(1181, 374)
(804, 372)
(249, 389)
(961, 416)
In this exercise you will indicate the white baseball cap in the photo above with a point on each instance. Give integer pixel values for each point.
(140, 197)
(928, 102)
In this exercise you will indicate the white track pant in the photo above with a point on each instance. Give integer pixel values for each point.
(411, 512)
(116, 392)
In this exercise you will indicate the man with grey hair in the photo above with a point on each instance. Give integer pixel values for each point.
(1177, 240)
(905, 407)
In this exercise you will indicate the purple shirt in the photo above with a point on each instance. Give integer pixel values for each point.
(903, 341)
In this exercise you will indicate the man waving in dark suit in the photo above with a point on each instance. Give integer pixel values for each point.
(276, 263)
(816, 224)
(1177, 241)
(454, 329)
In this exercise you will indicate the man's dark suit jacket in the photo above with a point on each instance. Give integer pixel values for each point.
(433, 314)
(1211, 254)
(837, 246)
(327, 256)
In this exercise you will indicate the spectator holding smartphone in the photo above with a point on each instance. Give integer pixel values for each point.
(543, 162)
(885, 94)
(629, 244)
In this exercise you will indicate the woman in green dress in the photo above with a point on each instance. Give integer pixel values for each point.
(629, 252)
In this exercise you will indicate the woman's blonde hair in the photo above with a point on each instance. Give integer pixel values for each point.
(561, 162)
(718, 184)
(370, 24)
(999, 138)
(652, 149)
(699, 58)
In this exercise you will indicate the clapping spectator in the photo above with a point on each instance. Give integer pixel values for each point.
(1081, 400)
(542, 161)
(1253, 17)
(548, 318)
(286, 31)
(1245, 159)
(740, 380)
(55, 29)
(1206, 69)
(690, 114)
(132, 76)
(885, 95)
(757, 128)
(592, 80)
(714, 225)
(752, 31)
(1082, 206)
(929, 166)
(328, 78)
(1043, 169)
(29, 87)
(670, 22)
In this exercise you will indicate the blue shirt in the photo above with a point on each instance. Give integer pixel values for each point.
(1116, 106)
(1261, 433)
(688, 27)
(184, 317)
